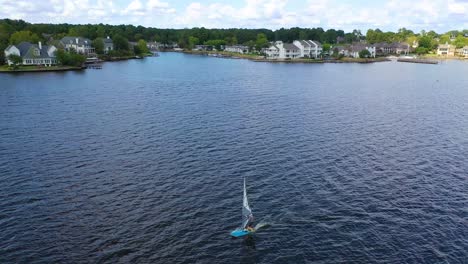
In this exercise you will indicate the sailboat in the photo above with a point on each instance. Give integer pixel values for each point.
(247, 218)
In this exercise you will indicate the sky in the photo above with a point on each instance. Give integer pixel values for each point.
(417, 15)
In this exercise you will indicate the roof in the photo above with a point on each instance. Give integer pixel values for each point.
(72, 40)
(304, 43)
(237, 46)
(445, 46)
(26, 50)
(357, 48)
(290, 46)
(108, 40)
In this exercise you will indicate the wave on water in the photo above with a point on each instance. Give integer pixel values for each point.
(262, 225)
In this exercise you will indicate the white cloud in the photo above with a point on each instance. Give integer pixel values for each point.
(440, 15)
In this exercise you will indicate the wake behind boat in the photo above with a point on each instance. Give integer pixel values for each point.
(247, 218)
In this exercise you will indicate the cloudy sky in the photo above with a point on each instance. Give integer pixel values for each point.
(440, 15)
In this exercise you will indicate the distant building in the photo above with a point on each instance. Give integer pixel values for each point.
(237, 48)
(298, 49)
(272, 52)
(203, 48)
(79, 44)
(108, 45)
(154, 46)
(446, 50)
(384, 48)
(32, 54)
(463, 52)
(354, 49)
(309, 48)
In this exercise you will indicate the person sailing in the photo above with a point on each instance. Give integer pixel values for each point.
(250, 226)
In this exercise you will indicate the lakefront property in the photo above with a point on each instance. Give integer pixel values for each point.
(32, 54)
(72, 45)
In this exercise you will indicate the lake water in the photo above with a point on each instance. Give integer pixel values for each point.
(143, 162)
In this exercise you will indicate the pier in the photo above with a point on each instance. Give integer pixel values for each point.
(424, 61)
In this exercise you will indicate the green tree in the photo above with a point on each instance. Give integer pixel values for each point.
(120, 43)
(141, 47)
(70, 58)
(326, 47)
(421, 50)
(460, 41)
(426, 42)
(16, 60)
(101, 31)
(364, 54)
(261, 42)
(250, 44)
(192, 42)
(21, 36)
(98, 45)
(217, 43)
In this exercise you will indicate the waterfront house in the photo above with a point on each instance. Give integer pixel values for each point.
(280, 50)
(237, 48)
(308, 48)
(446, 50)
(79, 44)
(463, 52)
(354, 49)
(291, 51)
(384, 48)
(272, 52)
(108, 45)
(32, 54)
(203, 48)
(154, 46)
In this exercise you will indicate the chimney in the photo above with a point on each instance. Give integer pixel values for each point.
(40, 45)
(76, 40)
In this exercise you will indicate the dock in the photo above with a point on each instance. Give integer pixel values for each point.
(418, 61)
(96, 66)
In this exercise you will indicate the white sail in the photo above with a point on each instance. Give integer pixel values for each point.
(246, 211)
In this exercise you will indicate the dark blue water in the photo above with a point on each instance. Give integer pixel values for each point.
(142, 162)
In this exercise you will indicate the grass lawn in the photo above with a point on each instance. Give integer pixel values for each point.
(22, 68)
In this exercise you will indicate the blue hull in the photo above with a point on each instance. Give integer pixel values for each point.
(240, 233)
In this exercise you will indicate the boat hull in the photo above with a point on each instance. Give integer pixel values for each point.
(240, 233)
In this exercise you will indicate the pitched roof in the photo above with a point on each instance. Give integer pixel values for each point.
(445, 46)
(72, 40)
(290, 46)
(27, 50)
(304, 43)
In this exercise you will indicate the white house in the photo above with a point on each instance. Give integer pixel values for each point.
(463, 52)
(32, 54)
(272, 52)
(280, 50)
(108, 44)
(446, 50)
(353, 50)
(309, 48)
(237, 49)
(78, 44)
(291, 51)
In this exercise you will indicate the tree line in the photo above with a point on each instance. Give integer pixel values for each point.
(15, 31)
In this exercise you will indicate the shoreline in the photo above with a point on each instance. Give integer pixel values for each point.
(43, 69)
(256, 58)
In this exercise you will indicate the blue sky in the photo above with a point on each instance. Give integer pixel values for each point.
(440, 15)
